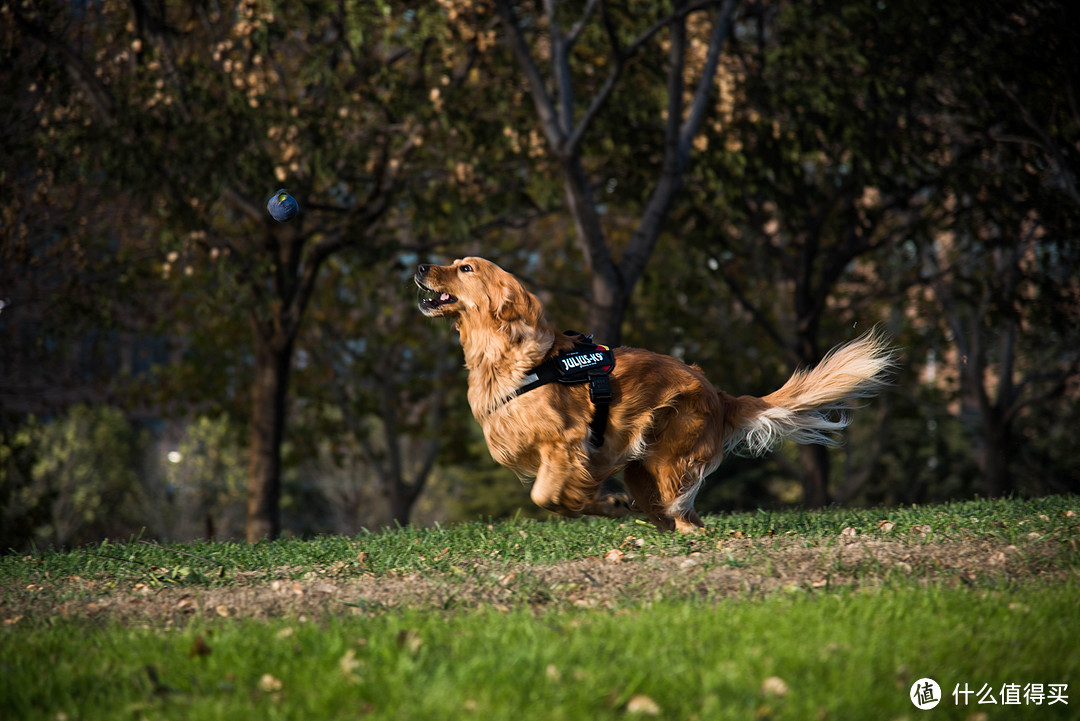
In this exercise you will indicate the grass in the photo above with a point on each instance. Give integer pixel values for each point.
(840, 656)
(665, 645)
(410, 550)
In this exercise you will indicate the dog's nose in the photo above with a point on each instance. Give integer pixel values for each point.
(423, 269)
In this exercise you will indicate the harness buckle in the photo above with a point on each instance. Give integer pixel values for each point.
(599, 388)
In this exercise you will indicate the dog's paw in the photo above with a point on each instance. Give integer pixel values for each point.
(615, 505)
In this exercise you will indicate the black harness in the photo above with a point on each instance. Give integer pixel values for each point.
(588, 363)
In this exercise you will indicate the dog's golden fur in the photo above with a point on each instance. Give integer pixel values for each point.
(668, 427)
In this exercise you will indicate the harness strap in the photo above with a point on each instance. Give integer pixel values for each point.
(600, 395)
(586, 363)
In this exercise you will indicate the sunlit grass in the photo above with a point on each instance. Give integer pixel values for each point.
(529, 541)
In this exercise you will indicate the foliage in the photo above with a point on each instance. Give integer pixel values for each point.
(384, 394)
(839, 158)
(204, 482)
(83, 482)
(185, 114)
(17, 450)
(910, 164)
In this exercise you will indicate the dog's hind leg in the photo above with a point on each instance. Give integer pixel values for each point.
(643, 488)
(690, 523)
(665, 492)
(681, 508)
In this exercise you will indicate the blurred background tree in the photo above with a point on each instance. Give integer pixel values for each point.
(203, 482)
(803, 170)
(84, 483)
(193, 113)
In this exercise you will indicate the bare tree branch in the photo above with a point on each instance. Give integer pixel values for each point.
(1060, 383)
(242, 204)
(721, 27)
(560, 70)
(579, 26)
(1046, 143)
(541, 100)
(82, 76)
(677, 139)
(601, 97)
(759, 316)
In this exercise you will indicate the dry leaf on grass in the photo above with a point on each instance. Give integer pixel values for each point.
(774, 686)
(409, 640)
(349, 664)
(614, 556)
(199, 647)
(641, 704)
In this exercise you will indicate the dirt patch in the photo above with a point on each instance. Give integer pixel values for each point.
(623, 577)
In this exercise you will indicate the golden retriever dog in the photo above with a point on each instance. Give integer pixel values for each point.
(668, 427)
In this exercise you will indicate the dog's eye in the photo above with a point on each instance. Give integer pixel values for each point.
(465, 269)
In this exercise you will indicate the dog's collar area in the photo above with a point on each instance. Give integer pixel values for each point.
(588, 363)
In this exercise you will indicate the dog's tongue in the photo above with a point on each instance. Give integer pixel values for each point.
(444, 297)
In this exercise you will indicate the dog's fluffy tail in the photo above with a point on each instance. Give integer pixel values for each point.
(812, 406)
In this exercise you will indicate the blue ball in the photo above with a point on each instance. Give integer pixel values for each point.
(282, 206)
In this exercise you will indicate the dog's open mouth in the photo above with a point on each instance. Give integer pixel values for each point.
(430, 299)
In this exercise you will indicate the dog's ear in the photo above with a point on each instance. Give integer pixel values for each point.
(518, 311)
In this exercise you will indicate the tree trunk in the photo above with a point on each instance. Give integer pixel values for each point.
(612, 284)
(814, 461)
(992, 457)
(273, 358)
(607, 292)
(401, 500)
(607, 308)
(400, 494)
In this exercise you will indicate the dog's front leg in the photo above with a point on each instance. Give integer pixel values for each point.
(610, 505)
(563, 482)
(564, 485)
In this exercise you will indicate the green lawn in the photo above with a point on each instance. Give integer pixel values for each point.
(799, 651)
